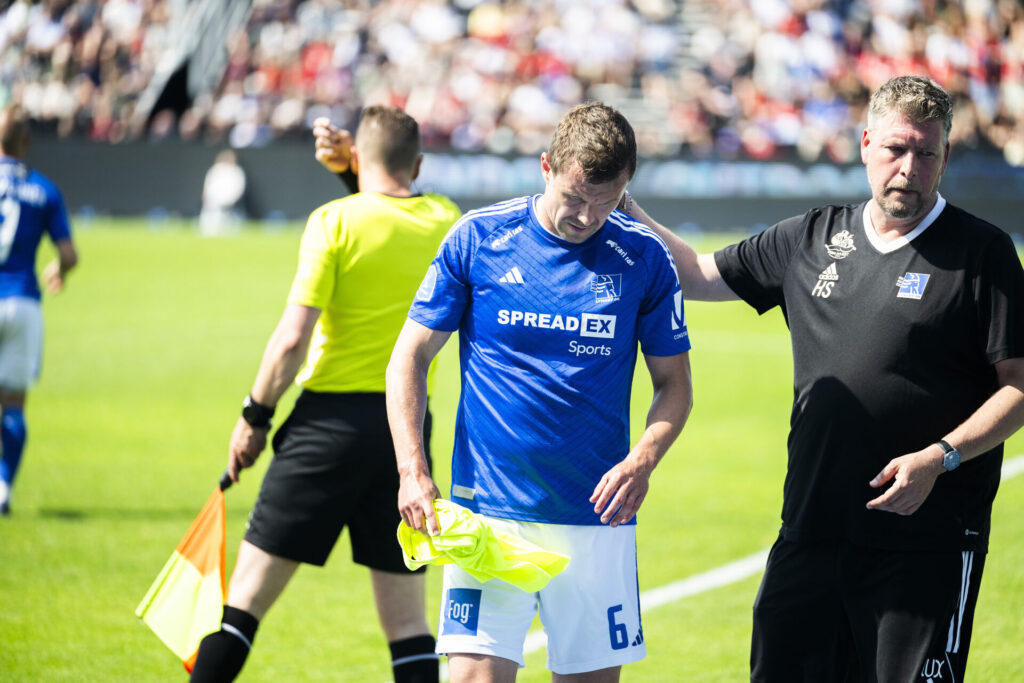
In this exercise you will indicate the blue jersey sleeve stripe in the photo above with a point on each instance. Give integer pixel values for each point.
(494, 210)
(641, 229)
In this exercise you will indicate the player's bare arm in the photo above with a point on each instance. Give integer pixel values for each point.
(913, 475)
(281, 362)
(698, 273)
(58, 268)
(406, 382)
(622, 489)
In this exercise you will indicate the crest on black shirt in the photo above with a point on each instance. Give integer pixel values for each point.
(912, 285)
(842, 245)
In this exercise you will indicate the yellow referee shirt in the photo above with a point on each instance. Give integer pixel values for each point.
(361, 260)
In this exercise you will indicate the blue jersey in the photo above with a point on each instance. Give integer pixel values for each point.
(548, 333)
(30, 205)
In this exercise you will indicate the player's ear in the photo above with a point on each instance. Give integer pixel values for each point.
(353, 164)
(416, 167)
(545, 166)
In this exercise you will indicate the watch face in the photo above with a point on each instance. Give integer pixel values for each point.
(951, 460)
(255, 414)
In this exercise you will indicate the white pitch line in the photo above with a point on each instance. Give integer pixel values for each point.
(677, 590)
(711, 579)
(1013, 467)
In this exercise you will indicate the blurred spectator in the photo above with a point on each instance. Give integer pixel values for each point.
(729, 78)
(223, 196)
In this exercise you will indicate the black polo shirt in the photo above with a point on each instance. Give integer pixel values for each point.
(892, 349)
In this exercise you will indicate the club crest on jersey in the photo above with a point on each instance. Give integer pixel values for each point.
(912, 285)
(607, 288)
(826, 281)
(841, 246)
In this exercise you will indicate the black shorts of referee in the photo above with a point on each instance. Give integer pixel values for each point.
(333, 466)
(835, 611)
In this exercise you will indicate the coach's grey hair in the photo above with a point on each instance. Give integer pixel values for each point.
(920, 99)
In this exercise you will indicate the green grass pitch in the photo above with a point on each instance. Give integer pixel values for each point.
(148, 355)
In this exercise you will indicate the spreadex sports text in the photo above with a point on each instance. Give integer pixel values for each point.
(588, 325)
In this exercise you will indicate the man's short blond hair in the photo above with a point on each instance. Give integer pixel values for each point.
(597, 138)
(389, 137)
(920, 99)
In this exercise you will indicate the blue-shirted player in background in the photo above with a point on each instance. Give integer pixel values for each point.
(551, 295)
(30, 206)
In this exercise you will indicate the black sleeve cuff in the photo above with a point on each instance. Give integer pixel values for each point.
(351, 180)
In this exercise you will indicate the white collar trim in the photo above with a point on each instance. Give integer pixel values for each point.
(889, 247)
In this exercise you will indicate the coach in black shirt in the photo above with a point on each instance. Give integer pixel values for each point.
(907, 322)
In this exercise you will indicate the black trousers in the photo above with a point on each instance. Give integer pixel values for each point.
(834, 611)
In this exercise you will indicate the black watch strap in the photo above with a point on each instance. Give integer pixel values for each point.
(951, 457)
(256, 414)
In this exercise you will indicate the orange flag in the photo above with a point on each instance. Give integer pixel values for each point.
(185, 603)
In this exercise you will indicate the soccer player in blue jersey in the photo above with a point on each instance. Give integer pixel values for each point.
(30, 206)
(550, 295)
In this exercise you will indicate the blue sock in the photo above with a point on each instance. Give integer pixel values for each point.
(12, 438)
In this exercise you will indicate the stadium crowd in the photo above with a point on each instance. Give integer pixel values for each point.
(725, 78)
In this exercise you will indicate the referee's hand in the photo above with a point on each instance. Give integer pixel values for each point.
(416, 502)
(247, 442)
(333, 145)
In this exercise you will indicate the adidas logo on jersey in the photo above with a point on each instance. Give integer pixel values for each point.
(826, 280)
(512, 277)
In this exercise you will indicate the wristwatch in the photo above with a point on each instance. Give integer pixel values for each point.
(256, 414)
(950, 456)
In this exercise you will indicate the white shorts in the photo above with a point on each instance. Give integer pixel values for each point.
(21, 342)
(590, 612)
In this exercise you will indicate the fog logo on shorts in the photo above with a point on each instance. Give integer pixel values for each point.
(461, 611)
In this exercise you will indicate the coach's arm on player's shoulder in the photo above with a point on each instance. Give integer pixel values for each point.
(281, 362)
(997, 419)
(699, 276)
(406, 383)
(623, 488)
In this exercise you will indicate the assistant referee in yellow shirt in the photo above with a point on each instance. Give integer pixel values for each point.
(361, 260)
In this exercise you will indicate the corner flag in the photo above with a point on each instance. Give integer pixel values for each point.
(186, 601)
